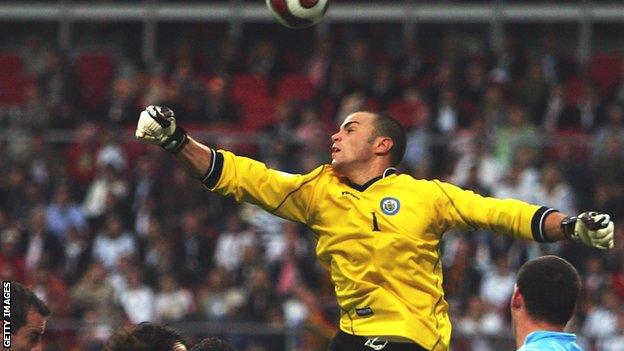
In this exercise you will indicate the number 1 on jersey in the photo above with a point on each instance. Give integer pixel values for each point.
(375, 224)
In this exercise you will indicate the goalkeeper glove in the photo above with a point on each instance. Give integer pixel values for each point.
(590, 228)
(157, 125)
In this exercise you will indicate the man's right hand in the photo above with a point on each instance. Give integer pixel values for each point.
(157, 125)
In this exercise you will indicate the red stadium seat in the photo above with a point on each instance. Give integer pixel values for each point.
(13, 88)
(10, 64)
(95, 73)
(259, 114)
(294, 86)
(406, 111)
(605, 71)
(246, 86)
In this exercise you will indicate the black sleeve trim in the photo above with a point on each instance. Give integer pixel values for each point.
(538, 222)
(214, 173)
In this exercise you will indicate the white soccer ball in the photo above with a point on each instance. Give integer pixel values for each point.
(298, 13)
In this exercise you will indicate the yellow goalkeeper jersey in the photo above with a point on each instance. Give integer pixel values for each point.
(380, 241)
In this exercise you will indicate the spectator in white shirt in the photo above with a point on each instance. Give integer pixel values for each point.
(173, 303)
(602, 320)
(232, 243)
(497, 284)
(138, 299)
(113, 243)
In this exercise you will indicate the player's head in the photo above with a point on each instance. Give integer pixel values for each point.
(28, 318)
(212, 344)
(146, 337)
(364, 136)
(546, 291)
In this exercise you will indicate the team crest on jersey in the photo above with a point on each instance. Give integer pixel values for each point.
(390, 205)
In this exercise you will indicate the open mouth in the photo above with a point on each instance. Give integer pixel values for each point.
(334, 150)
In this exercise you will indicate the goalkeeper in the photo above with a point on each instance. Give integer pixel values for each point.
(378, 232)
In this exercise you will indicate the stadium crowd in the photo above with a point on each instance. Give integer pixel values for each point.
(109, 232)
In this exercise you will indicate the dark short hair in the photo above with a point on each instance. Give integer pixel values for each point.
(212, 344)
(23, 300)
(388, 126)
(144, 337)
(550, 287)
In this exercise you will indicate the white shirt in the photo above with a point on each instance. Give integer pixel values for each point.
(108, 250)
(139, 304)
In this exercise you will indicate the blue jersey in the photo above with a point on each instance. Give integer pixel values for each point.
(550, 341)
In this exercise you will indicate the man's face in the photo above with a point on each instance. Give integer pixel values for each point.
(28, 337)
(352, 143)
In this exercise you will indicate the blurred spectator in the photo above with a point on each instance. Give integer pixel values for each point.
(383, 86)
(113, 242)
(553, 191)
(218, 108)
(216, 299)
(111, 152)
(410, 62)
(517, 132)
(81, 154)
(360, 67)
(586, 113)
(262, 59)
(474, 84)
(107, 188)
(554, 109)
(63, 213)
(317, 66)
(122, 106)
(462, 279)
(76, 254)
(12, 263)
(52, 290)
(94, 293)
(287, 270)
(187, 90)
(260, 296)
(602, 319)
(532, 89)
(493, 109)
(38, 244)
(497, 284)
(160, 254)
(173, 303)
(594, 278)
(232, 243)
(138, 300)
(614, 342)
(479, 319)
(195, 248)
(61, 88)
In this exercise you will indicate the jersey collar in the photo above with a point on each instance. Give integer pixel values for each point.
(388, 171)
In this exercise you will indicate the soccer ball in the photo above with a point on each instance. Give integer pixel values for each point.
(298, 13)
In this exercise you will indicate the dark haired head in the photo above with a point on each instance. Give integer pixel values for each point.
(388, 126)
(145, 336)
(550, 287)
(23, 300)
(212, 344)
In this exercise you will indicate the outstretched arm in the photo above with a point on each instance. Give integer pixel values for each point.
(523, 220)
(286, 195)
